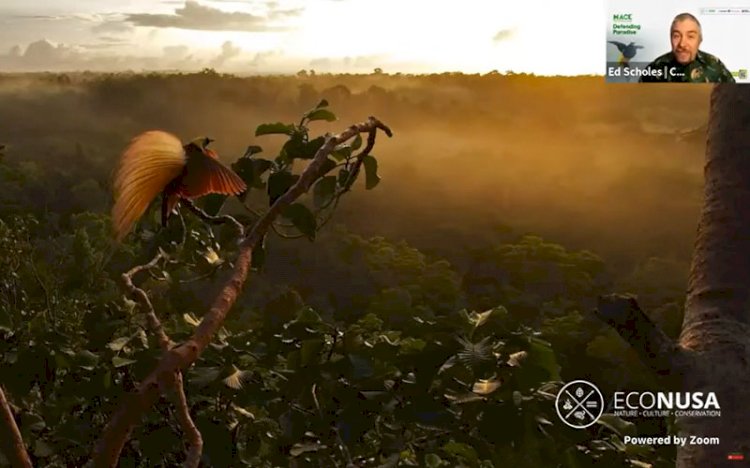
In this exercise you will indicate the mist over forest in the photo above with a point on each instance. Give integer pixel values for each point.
(476, 160)
(612, 173)
(594, 166)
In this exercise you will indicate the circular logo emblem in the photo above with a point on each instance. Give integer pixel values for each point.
(579, 404)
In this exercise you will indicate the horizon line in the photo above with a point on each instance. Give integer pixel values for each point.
(308, 74)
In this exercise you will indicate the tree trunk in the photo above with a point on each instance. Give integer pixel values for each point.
(716, 326)
(713, 351)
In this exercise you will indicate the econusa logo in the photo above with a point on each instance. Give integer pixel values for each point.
(622, 17)
(665, 400)
(580, 404)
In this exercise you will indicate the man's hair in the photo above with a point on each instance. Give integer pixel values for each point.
(687, 16)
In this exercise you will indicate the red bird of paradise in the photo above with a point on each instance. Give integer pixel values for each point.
(157, 162)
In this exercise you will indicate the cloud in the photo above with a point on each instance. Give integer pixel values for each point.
(47, 56)
(176, 51)
(365, 61)
(103, 45)
(43, 55)
(112, 39)
(228, 52)
(321, 63)
(113, 27)
(43, 52)
(503, 35)
(261, 58)
(200, 17)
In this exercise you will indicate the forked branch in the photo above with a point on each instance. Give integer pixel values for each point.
(107, 450)
(213, 219)
(154, 323)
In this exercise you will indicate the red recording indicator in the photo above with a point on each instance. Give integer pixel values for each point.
(736, 456)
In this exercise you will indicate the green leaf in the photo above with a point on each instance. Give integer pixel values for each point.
(42, 449)
(310, 351)
(324, 190)
(311, 147)
(293, 148)
(251, 150)
(279, 183)
(118, 344)
(302, 218)
(517, 359)
(542, 355)
(321, 114)
(251, 170)
(341, 152)
(212, 203)
(617, 424)
(297, 148)
(464, 451)
(275, 129)
(412, 345)
(191, 319)
(328, 165)
(299, 449)
(361, 366)
(371, 172)
(478, 319)
(118, 361)
(87, 359)
(342, 178)
(357, 143)
(485, 387)
(432, 461)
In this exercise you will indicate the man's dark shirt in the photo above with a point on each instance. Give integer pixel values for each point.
(706, 68)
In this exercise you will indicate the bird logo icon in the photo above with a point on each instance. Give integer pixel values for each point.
(627, 52)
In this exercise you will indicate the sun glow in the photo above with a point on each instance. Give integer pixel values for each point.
(473, 36)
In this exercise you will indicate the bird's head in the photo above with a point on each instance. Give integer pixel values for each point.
(201, 144)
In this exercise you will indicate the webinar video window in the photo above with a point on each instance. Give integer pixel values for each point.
(678, 41)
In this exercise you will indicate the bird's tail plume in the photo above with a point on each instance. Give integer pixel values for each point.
(148, 164)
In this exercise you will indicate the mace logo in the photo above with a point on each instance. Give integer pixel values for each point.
(622, 17)
(579, 404)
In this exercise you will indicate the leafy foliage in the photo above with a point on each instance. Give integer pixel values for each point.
(415, 365)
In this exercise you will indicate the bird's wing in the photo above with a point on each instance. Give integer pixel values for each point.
(206, 174)
(151, 161)
(619, 45)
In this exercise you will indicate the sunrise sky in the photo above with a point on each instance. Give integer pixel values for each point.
(284, 36)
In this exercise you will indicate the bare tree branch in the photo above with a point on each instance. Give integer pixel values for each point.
(108, 449)
(654, 347)
(195, 441)
(154, 323)
(192, 433)
(10, 437)
(213, 219)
